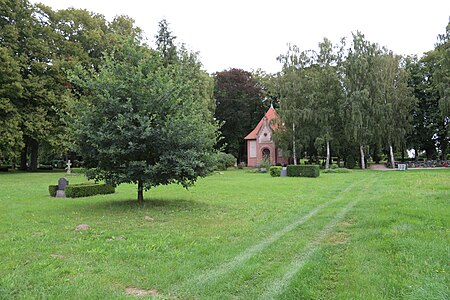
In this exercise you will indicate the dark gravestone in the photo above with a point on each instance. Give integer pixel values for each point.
(62, 183)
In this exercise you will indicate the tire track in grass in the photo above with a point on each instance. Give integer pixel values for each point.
(280, 284)
(213, 274)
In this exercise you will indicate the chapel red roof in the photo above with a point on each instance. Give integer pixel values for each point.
(270, 115)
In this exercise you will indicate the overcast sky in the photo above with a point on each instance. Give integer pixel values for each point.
(250, 34)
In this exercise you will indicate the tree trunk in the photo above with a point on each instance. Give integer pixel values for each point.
(391, 154)
(24, 156)
(363, 163)
(140, 198)
(327, 163)
(34, 155)
(416, 154)
(294, 154)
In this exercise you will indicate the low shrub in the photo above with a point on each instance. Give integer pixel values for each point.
(264, 164)
(224, 160)
(83, 190)
(350, 162)
(303, 171)
(52, 190)
(275, 171)
(86, 190)
(45, 167)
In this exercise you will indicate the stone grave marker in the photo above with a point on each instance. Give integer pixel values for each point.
(62, 183)
(402, 167)
(283, 172)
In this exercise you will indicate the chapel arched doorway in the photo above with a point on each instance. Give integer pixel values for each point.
(266, 154)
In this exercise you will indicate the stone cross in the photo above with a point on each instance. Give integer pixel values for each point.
(62, 183)
(68, 166)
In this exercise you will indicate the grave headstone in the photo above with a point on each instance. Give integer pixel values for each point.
(283, 172)
(62, 183)
(402, 167)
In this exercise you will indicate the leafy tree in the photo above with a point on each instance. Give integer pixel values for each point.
(426, 114)
(442, 75)
(25, 32)
(165, 43)
(310, 91)
(328, 94)
(357, 109)
(144, 123)
(240, 106)
(429, 78)
(10, 91)
(394, 103)
(295, 86)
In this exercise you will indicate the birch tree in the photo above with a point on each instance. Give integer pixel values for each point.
(394, 102)
(357, 107)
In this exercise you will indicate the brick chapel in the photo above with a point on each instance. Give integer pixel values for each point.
(260, 144)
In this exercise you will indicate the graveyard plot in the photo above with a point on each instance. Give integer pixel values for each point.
(358, 235)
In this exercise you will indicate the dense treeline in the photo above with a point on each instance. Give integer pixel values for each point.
(363, 101)
(355, 101)
(38, 47)
(73, 82)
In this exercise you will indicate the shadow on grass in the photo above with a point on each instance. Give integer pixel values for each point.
(158, 204)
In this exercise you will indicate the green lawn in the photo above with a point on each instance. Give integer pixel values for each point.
(236, 235)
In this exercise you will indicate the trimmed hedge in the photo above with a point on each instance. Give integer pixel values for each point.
(86, 190)
(303, 171)
(83, 190)
(275, 171)
(52, 190)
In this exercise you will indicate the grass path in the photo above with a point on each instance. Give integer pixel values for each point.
(211, 275)
(280, 284)
(239, 235)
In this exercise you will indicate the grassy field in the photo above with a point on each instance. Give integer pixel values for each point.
(236, 235)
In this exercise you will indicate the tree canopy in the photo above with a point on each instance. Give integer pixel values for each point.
(349, 99)
(143, 121)
(239, 106)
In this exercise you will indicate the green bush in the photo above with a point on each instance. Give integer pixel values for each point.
(52, 190)
(303, 171)
(351, 162)
(45, 167)
(264, 165)
(86, 190)
(83, 190)
(275, 171)
(224, 160)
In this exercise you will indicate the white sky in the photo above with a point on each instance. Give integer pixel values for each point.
(250, 34)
